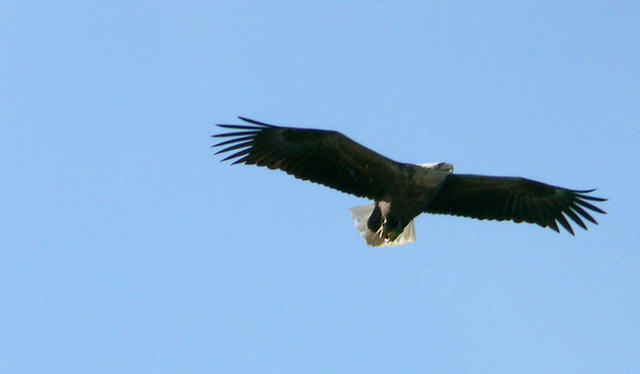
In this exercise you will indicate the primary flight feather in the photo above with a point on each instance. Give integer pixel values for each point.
(401, 191)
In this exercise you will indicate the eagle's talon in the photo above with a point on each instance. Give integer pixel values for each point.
(380, 232)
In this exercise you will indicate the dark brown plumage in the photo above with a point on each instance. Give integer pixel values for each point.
(515, 199)
(321, 156)
(334, 160)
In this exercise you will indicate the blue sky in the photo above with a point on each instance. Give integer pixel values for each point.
(126, 247)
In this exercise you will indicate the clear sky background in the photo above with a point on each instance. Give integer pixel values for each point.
(127, 247)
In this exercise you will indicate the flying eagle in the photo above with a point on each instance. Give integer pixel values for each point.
(401, 191)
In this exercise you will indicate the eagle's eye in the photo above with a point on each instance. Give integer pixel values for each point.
(445, 166)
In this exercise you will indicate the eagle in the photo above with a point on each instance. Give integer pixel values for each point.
(401, 191)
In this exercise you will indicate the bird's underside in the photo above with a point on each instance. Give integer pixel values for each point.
(402, 191)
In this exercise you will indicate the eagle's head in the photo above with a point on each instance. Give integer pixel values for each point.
(445, 166)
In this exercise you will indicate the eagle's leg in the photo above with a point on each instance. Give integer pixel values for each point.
(383, 226)
(375, 221)
(369, 222)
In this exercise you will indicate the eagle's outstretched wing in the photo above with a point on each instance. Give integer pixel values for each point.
(321, 156)
(515, 199)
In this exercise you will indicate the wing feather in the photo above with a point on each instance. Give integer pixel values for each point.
(514, 199)
(320, 156)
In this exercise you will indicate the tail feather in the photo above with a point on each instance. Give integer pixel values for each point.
(360, 215)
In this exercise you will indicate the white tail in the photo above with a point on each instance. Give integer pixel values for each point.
(360, 215)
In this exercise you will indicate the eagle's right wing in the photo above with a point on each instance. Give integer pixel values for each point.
(513, 199)
(320, 156)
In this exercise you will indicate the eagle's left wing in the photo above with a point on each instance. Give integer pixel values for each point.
(514, 199)
(320, 156)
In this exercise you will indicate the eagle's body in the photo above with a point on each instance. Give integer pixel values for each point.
(414, 188)
(401, 191)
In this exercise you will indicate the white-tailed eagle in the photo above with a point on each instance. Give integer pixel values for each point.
(401, 191)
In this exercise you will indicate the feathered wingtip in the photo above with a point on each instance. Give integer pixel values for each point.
(257, 125)
(360, 216)
(240, 140)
